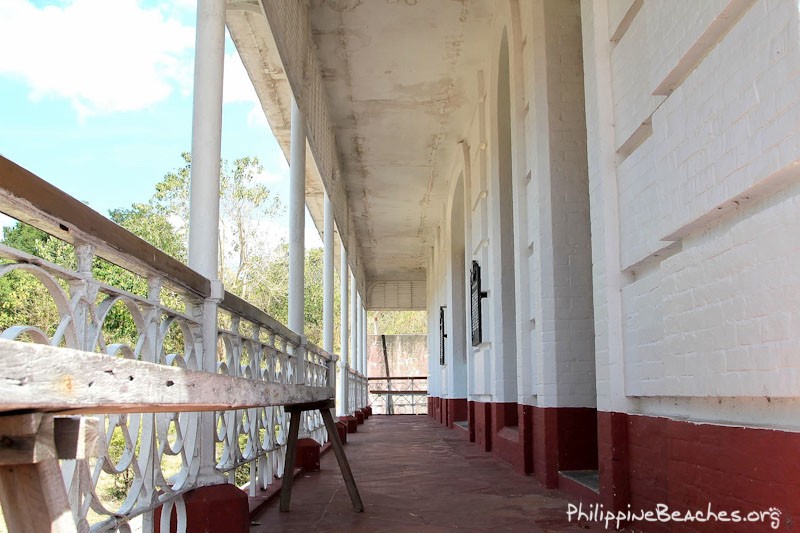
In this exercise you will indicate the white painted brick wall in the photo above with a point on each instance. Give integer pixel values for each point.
(721, 317)
(733, 122)
(718, 316)
(764, 358)
(616, 12)
(658, 37)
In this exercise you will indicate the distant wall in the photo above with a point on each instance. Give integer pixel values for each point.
(408, 355)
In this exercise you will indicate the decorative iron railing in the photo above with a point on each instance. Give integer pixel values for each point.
(182, 417)
(404, 395)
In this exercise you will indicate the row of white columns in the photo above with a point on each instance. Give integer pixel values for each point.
(353, 350)
(204, 221)
(354, 355)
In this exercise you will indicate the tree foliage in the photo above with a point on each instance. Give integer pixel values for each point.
(397, 322)
(24, 300)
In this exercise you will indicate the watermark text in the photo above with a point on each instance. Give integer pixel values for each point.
(662, 513)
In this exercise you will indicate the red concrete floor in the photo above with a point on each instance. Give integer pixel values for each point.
(416, 476)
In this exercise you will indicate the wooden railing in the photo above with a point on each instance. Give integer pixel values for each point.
(402, 395)
(164, 421)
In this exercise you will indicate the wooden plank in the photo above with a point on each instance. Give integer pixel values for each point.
(246, 310)
(34, 498)
(76, 437)
(398, 378)
(26, 439)
(24, 425)
(28, 198)
(310, 406)
(44, 378)
(33, 495)
(394, 392)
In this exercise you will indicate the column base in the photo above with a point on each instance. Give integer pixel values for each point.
(352, 423)
(341, 428)
(307, 455)
(212, 508)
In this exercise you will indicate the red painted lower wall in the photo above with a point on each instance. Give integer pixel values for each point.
(455, 410)
(564, 438)
(532, 439)
(505, 429)
(647, 461)
(687, 466)
(612, 443)
(435, 408)
(482, 418)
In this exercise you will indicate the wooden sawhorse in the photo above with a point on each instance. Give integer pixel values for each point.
(324, 407)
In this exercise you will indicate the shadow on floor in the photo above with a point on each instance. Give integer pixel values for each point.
(417, 476)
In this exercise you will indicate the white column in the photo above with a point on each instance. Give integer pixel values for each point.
(344, 376)
(354, 330)
(204, 196)
(363, 341)
(353, 323)
(358, 332)
(327, 288)
(297, 218)
(364, 347)
(206, 138)
(327, 277)
(359, 348)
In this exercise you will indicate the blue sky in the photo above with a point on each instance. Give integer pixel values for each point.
(95, 97)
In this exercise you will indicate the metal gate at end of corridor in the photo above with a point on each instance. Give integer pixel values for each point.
(403, 395)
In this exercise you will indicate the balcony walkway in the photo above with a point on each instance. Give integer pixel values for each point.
(416, 476)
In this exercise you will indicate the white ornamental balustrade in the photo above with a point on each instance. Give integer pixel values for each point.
(261, 348)
(357, 391)
(352, 400)
(145, 383)
(127, 444)
(320, 369)
(364, 387)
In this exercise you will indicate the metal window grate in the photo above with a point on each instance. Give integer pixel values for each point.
(442, 335)
(476, 295)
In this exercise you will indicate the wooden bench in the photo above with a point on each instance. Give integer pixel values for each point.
(39, 384)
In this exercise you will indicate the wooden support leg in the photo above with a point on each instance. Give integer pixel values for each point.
(34, 498)
(288, 466)
(32, 490)
(294, 426)
(338, 449)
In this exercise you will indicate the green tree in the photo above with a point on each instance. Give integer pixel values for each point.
(152, 225)
(272, 293)
(397, 322)
(245, 205)
(24, 300)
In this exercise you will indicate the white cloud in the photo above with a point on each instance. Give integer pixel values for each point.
(267, 177)
(237, 87)
(256, 117)
(273, 233)
(102, 56)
